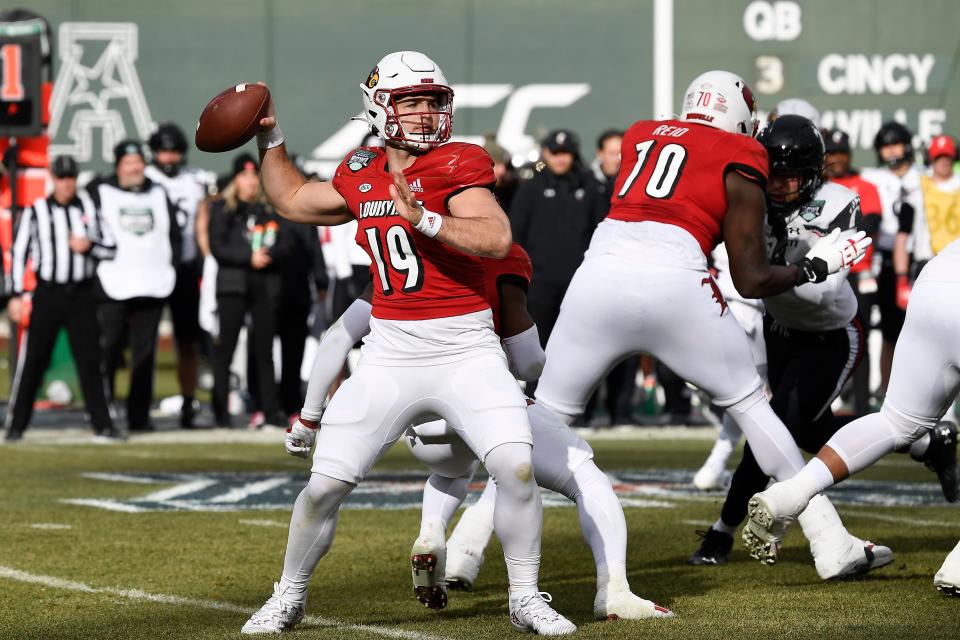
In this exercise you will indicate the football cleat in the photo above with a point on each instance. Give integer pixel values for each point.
(941, 458)
(278, 614)
(427, 566)
(947, 580)
(533, 612)
(715, 548)
(766, 525)
(860, 557)
(710, 477)
(624, 605)
(463, 566)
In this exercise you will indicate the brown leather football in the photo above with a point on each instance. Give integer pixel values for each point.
(232, 117)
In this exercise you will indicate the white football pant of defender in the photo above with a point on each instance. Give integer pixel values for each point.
(562, 462)
(924, 382)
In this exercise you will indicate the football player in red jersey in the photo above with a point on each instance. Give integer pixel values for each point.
(685, 185)
(562, 460)
(425, 212)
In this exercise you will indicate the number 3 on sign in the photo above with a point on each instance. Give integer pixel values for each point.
(12, 88)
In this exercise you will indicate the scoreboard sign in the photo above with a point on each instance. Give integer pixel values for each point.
(20, 66)
(860, 63)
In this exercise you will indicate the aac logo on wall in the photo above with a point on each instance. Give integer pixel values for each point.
(97, 97)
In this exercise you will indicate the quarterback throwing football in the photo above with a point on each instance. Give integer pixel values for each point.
(426, 216)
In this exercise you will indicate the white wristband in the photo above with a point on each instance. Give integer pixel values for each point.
(270, 139)
(430, 223)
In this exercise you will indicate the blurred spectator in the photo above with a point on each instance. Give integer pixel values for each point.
(606, 164)
(557, 206)
(941, 193)
(141, 221)
(903, 236)
(304, 281)
(795, 107)
(249, 246)
(186, 188)
(60, 236)
(503, 171)
(837, 168)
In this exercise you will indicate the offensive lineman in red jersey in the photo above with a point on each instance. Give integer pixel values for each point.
(685, 185)
(425, 213)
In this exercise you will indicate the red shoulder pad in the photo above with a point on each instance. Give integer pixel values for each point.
(517, 264)
(750, 160)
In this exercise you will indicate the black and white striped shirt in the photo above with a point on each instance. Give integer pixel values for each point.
(43, 236)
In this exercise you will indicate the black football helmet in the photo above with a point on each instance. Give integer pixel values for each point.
(169, 137)
(795, 147)
(893, 132)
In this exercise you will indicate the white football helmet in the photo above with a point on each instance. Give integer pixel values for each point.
(722, 100)
(400, 74)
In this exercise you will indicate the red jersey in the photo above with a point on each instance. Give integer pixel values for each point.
(869, 206)
(416, 277)
(515, 268)
(673, 172)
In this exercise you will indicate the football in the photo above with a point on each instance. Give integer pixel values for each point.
(232, 117)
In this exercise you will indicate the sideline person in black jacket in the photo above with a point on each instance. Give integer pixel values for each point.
(249, 246)
(556, 207)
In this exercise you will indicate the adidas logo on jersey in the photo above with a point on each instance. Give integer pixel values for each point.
(377, 209)
(415, 186)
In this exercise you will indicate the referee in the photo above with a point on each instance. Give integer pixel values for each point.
(60, 235)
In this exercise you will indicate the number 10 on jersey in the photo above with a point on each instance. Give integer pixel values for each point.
(396, 251)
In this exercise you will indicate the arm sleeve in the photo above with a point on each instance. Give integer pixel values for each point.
(21, 250)
(332, 353)
(525, 355)
(226, 249)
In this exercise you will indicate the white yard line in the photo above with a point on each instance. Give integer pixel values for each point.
(162, 598)
(250, 489)
(265, 523)
(50, 526)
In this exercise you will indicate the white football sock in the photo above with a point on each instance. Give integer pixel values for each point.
(442, 497)
(723, 527)
(312, 527)
(773, 446)
(602, 524)
(518, 515)
(864, 441)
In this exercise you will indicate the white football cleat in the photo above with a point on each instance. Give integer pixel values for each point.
(533, 612)
(768, 523)
(859, 557)
(427, 566)
(625, 605)
(710, 477)
(279, 613)
(947, 580)
(463, 565)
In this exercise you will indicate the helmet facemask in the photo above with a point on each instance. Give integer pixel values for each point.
(396, 125)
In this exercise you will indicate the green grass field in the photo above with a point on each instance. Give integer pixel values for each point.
(87, 572)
